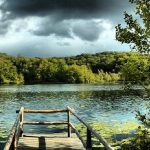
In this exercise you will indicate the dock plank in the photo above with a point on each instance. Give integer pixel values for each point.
(49, 142)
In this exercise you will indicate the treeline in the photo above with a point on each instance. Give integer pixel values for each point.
(85, 68)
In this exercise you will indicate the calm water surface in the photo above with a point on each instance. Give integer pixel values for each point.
(104, 103)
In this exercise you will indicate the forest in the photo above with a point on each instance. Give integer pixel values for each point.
(85, 68)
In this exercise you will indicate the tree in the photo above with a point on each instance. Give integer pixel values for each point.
(137, 32)
(8, 72)
(136, 71)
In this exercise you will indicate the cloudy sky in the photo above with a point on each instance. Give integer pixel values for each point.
(60, 27)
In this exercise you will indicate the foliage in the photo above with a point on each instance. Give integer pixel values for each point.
(137, 71)
(140, 142)
(8, 72)
(85, 68)
(136, 33)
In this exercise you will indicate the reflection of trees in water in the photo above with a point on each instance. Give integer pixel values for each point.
(80, 100)
(65, 94)
(117, 93)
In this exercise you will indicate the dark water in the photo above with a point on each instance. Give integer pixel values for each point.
(92, 102)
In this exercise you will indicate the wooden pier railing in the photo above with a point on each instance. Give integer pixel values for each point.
(15, 132)
(17, 129)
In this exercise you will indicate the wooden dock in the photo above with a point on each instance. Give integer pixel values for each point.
(71, 140)
(49, 142)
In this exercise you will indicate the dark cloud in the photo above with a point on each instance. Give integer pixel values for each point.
(87, 30)
(4, 27)
(49, 27)
(65, 8)
(25, 7)
(59, 10)
(56, 25)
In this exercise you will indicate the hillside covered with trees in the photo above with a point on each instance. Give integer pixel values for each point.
(86, 68)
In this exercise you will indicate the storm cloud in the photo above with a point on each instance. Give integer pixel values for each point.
(87, 30)
(65, 8)
(63, 23)
(48, 27)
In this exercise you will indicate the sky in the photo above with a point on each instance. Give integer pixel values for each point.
(48, 28)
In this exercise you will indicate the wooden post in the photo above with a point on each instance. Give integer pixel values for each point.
(21, 120)
(89, 140)
(98, 136)
(68, 120)
(15, 143)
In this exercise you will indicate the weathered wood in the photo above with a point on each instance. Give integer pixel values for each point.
(49, 135)
(99, 137)
(44, 111)
(11, 141)
(17, 130)
(89, 140)
(78, 134)
(49, 143)
(43, 123)
(68, 119)
(21, 121)
(17, 135)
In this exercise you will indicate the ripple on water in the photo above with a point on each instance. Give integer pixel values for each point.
(92, 102)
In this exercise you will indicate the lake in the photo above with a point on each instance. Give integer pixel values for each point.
(94, 103)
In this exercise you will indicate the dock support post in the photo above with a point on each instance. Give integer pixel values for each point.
(68, 120)
(21, 120)
(89, 140)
